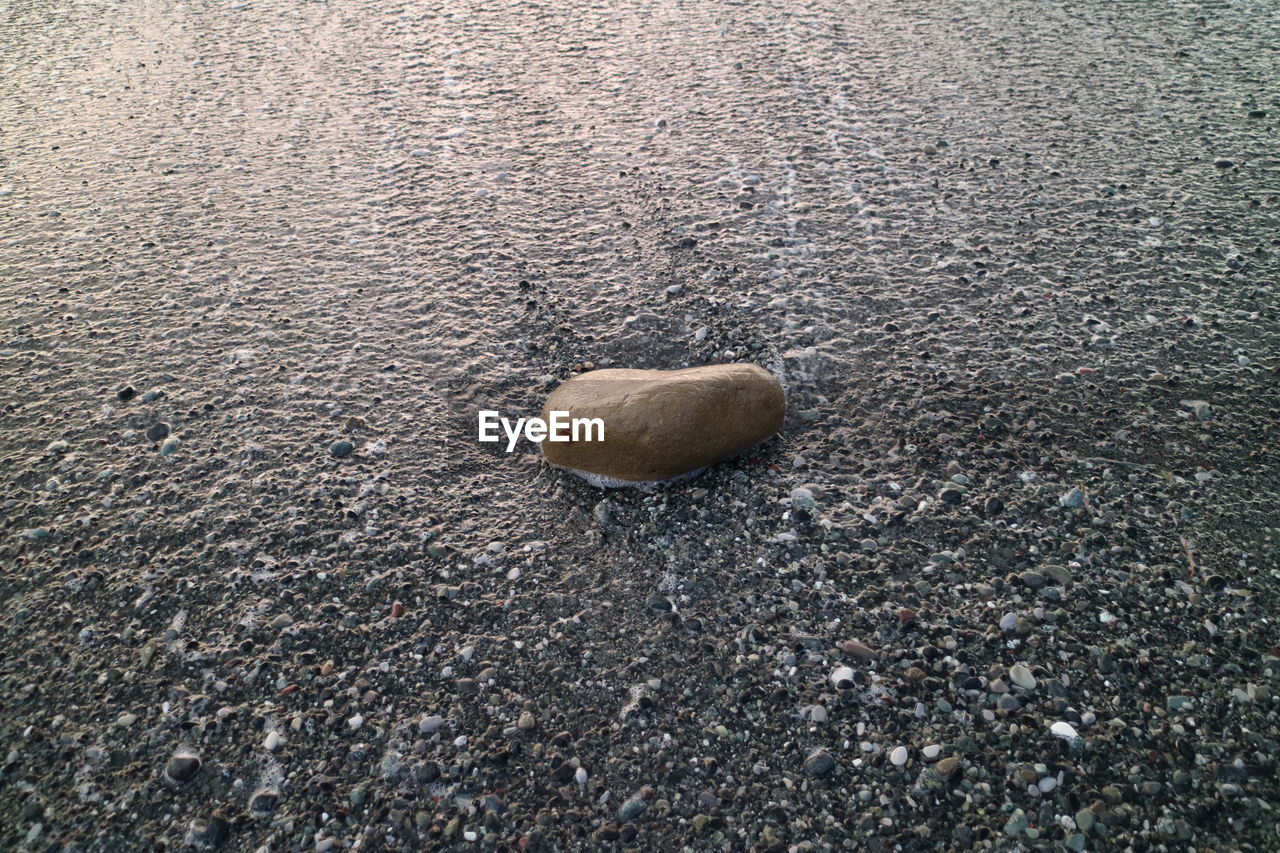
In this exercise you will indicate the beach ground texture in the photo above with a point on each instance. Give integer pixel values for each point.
(1007, 579)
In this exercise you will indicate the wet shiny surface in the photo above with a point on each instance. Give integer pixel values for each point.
(308, 222)
(327, 189)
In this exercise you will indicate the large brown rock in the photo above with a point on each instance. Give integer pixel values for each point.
(659, 424)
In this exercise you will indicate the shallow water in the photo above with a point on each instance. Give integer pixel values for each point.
(311, 221)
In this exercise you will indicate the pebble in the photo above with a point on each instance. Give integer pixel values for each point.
(1020, 675)
(182, 767)
(273, 740)
(1059, 574)
(157, 431)
(801, 497)
(170, 446)
(931, 751)
(631, 809)
(819, 763)
(1016, 824)
(1200, 408)
(899, 756)
(264, 801)
(1063, 730)
(341, 449)
(858, 650)
(1072, 499)
(662, 424)
(842, 678)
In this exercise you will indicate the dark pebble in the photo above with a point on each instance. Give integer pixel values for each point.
(181, 768)
(493, 804)
(342, 449)
(212, 832)
(264, 801)
(158, 431)
(631, 809)
(819, 763)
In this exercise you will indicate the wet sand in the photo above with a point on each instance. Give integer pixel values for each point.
(1015, 263)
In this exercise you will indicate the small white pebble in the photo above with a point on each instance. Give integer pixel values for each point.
(356, 722)
(272, 742)
(898, 756)
(1063, 730)
(581, 776)
(1021, 675)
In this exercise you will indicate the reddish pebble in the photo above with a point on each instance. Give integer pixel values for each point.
(1084, 371)
(397, 610)
(291, 688)
(905, 615)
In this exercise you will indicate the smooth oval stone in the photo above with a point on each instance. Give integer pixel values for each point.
(659, 424)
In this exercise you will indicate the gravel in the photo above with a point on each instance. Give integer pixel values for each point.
(1007, 579)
